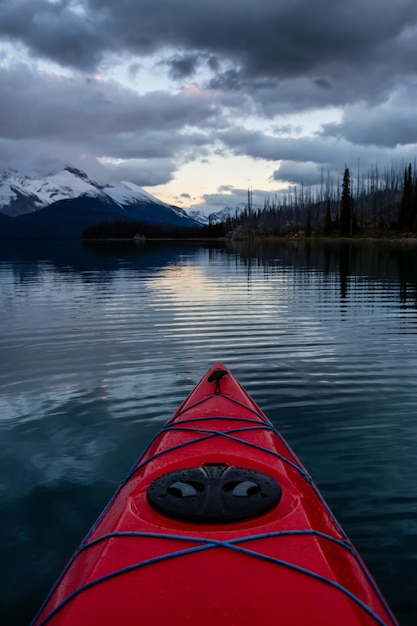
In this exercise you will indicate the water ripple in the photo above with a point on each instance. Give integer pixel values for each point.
(98, 349)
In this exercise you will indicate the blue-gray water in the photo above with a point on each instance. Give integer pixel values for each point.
(99, 345)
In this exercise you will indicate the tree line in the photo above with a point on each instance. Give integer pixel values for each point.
(372, 205)
(375, 204)
(123, 229)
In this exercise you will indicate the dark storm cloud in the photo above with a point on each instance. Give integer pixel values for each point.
(78, 106)
(389, 124)
(305, 158)
(34, 158)
(74, 116)
(229, 196)
(289, 54)
(293, 172)
(268, 38)
(268, 58)
(143, 172)
(61, 31)
(183, 66)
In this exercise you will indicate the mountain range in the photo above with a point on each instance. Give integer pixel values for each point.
(218, 216)
(63, 203)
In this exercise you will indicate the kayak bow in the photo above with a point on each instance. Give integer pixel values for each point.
(218, 523)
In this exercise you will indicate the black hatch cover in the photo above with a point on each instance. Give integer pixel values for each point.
(214, 493)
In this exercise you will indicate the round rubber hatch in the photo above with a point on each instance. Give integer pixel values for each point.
(214, 493)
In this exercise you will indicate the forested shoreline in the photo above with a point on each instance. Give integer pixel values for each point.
(376, 205)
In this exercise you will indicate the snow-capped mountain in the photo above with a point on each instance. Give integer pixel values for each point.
(65, 202)
(200, 217)
(218, 216)
(22, 195)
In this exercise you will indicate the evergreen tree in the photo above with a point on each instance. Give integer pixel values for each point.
(414, 224)
(407, 215)
(346, 208)
(327, 220)
(308, 224)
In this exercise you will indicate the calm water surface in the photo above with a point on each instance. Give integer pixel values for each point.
(98, 346)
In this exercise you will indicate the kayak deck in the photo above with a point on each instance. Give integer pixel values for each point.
(183, 542)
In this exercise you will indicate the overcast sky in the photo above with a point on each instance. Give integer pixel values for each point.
(199, 100)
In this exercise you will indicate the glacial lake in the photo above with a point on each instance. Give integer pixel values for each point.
(99, 344)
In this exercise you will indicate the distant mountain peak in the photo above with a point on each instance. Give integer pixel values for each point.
(219, 216)
(76, 172)
(68, 199)
(24, 194)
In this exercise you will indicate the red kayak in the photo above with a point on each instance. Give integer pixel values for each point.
(217, 524)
